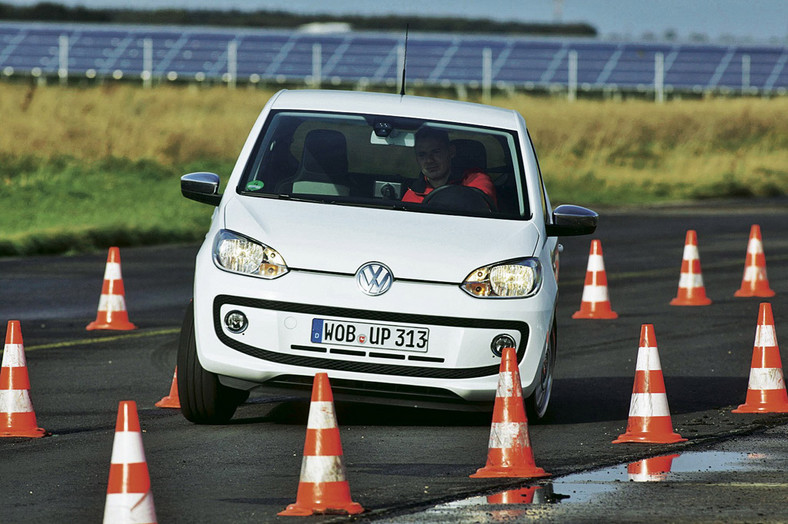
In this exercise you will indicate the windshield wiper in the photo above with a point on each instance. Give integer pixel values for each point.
(386, 204)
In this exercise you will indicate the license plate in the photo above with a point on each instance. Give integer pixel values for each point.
(372, 336)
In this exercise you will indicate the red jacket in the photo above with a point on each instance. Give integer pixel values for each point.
(420, 188)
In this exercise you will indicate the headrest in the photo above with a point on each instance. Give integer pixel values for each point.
(325, 151)
(468, 154)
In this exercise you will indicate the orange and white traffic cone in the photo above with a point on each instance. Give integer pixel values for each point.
(649, 415)
(766, 389)
(691, 290)
(595, 302)
(129, 498)
(323, 487)
(754, 283)
(509, 450)
(112, 312)
(653, 469)
(17, 418)
(172, 400)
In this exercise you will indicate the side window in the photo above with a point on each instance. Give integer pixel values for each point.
(543, 193)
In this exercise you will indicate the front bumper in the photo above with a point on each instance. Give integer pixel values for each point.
(377, 362)
(276, 351)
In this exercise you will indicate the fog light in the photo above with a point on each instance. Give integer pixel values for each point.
(236, 321)
(500, 342)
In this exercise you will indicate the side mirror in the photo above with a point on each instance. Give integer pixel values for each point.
(569, 220)
(202, 187)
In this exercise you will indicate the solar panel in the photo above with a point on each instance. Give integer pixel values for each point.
(353, 57)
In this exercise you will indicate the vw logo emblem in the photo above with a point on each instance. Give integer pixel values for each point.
(373, 278)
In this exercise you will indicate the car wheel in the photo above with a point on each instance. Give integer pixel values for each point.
(204, 400)
(536, 404)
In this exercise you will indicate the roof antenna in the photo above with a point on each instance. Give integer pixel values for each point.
(404, 60)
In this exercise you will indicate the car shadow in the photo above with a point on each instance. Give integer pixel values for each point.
(574, 401)
(296, 412)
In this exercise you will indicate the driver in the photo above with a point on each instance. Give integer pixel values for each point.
(434, 153)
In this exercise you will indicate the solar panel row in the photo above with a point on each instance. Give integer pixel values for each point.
(205, 54)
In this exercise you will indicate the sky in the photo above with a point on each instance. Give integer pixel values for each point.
(755, 20)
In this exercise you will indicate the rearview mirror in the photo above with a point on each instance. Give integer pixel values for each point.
(569, 220)
(393, 138)
(202, 187)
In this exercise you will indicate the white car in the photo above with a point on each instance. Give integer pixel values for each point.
(315, 262)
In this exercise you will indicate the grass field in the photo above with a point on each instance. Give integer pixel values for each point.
(84, 168)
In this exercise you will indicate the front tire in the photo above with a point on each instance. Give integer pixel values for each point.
(204, 400)
(536, 404)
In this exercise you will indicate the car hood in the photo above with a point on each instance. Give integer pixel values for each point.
(417, 246)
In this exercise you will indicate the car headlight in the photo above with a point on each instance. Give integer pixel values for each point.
(239, 254)
(521, 278)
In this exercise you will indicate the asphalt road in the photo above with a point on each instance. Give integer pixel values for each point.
(398, 460)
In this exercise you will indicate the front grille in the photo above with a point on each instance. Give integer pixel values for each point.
(362, 314)
(367, 389)
(372, 354)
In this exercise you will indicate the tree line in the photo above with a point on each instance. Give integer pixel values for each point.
(54, 12)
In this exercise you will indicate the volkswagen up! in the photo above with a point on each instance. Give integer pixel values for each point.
(314, 262)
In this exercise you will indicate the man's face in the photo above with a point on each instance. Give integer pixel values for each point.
(434, 158)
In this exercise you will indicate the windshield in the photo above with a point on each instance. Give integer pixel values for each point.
(388, 162)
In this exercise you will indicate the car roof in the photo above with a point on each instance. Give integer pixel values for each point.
(396, 105)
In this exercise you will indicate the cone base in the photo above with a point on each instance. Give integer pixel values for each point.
(117, 326)
(690, 301)
(296, 510)
(608, 314)
(169, 402)
(764, 293)
(27, 432)
(648, 438)
(761, 408)
(500, 471)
